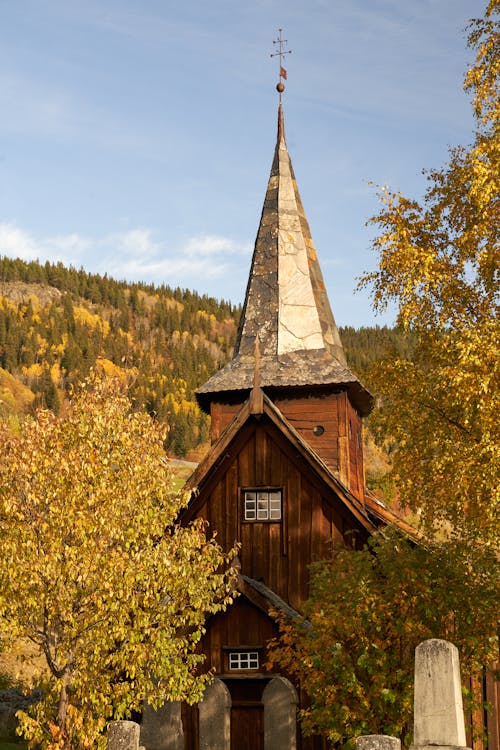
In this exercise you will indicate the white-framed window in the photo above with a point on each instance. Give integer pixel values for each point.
(243, 660)
(262, 505)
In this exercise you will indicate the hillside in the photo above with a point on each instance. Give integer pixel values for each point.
(57, 323)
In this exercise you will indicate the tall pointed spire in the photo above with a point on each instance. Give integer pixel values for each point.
(286, 306)
(286, 303)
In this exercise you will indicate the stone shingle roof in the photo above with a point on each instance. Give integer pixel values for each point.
(286, 305)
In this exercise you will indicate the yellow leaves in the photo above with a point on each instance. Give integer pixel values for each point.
(483, 77)
(92, 557)
(439, 262)
(34, 371)
(83, 315)
(124, 375)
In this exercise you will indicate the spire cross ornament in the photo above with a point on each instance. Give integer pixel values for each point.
(280, 42)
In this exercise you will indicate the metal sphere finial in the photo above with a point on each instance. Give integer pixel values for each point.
(280, 87)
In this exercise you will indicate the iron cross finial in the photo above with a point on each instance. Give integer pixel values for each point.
(280, 43)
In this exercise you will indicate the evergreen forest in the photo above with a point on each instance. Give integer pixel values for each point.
(58, 323)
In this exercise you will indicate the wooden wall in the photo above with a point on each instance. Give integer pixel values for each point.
(275, 552)
(340, 445)
(243, 625)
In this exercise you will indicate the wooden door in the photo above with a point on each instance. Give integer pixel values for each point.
(247, 726)
(247, 713)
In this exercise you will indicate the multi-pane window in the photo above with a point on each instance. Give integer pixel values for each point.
(244, 660)
(262, 505)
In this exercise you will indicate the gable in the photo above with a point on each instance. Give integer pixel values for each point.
(314, 516)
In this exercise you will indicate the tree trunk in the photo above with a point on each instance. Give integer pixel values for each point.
(63, 705)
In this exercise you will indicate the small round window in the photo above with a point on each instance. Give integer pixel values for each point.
(318, 430)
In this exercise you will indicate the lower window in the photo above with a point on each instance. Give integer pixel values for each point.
(244, 660)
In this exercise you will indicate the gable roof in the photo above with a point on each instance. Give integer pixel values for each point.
(286, 307)
(221, 447)
(264, 598)
(371, 514)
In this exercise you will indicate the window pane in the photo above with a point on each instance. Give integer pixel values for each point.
(275, 505)
(250, 506)
(263, 505)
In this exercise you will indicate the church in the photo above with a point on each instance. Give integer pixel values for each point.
(284, 477)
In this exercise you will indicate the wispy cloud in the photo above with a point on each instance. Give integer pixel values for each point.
(137, 255)
(133, 255)
(16, 242)
(213, 245)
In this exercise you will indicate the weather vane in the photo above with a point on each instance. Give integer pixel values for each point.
(280, 43)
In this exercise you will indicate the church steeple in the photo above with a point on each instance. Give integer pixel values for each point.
(286, 306)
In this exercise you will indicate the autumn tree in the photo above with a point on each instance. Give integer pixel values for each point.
(439, 262)
(96, 572)
(353, 649)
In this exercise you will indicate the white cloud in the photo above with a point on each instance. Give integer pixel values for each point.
(16, 243)
(68, 246)
(136, 241)
(69, 249)
(134, 255)
(137, 255)
(210, 244)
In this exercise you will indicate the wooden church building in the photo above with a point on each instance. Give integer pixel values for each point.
(284, 475)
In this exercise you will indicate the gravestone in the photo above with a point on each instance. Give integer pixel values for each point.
(377, 742)
(280, 720)
(438, 709)
(123, 735)
(215, 717)
(162, 729)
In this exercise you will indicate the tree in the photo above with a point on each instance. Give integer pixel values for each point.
(95, 570)
(353, 650)
(439, 261)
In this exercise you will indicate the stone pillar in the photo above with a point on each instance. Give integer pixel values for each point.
(215, 717)
(162, 729)
(123, 735)
(280, 709)
(439, 715)
(377, 742)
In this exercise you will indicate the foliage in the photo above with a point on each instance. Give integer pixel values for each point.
(164, 342)
(353, 651)
(439, 261)
(56, 324)
(95, 570)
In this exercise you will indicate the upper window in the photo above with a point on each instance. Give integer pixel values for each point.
(262, 505)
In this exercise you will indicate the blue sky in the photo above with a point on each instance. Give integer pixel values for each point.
(136, 136)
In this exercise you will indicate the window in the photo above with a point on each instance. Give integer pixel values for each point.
(244, 660)
(262, 505)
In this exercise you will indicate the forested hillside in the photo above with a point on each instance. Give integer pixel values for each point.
(57, 323)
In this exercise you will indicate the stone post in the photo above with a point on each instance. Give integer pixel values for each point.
(377, 742)
(280, 715)
(439, 716)
(215, 717)
(123, 735)
(162, 729)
